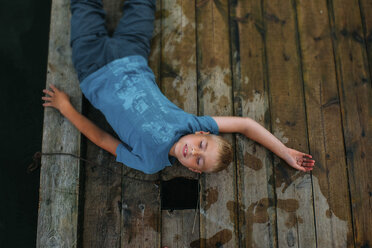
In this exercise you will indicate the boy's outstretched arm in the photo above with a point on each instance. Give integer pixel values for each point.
(256, 132)
(61, 101)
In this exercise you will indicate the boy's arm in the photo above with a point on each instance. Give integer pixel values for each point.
(256, 132)
(60, 100)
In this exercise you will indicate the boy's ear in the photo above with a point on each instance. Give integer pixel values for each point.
(195, 170)
(201, 132)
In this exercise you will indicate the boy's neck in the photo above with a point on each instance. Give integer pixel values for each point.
(172, 151)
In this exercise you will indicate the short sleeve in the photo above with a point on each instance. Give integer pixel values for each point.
(208, 124)
(123, 155)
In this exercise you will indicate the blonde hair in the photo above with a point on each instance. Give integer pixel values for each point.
(225, 154)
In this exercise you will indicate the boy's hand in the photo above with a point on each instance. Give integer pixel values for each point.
(56, 98)
(300, 160)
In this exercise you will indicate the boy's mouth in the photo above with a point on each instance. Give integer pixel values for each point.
(185, 150)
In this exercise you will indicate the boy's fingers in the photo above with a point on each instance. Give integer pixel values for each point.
(308, 164)
(53, 87)
(306, 168)
(51, 93)
(46, 98)
(298, 167)
(309, 160)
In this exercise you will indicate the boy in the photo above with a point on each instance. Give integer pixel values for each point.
(153, 132)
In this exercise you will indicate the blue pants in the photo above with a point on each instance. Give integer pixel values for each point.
(93, 48)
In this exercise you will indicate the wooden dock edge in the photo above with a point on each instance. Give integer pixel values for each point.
(59, 176)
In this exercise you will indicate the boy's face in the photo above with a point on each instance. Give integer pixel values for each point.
(198, 152)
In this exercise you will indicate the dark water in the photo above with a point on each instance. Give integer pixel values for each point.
(24, 27)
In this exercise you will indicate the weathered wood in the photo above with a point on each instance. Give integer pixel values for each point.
(155, 55)
(295, 214)
(366, 10)
(140, 210)
(179, 54)
(114, 12)
(178, 64)
(120, 211)
(354, 84)
(178, 83)
(102, 193)
(257, 224)
(179, 229)
(218, 223)
(59, 178)
(141, 214)
(330, 182)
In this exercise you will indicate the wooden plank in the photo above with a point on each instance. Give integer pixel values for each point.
(178, 83)
(366, 10)
(155, 55)
(59, 178)
(331, 197)
(178, 64)
(141, 214)
(354, 84)
(295, 214)
(257, 224)
(218, 221)
(177, 228)
(140, 210)
(114, 12)
(102, 193)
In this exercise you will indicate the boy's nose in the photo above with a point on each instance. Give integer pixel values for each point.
(195, 151)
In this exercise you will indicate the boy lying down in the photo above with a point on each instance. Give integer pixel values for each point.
(115, 77)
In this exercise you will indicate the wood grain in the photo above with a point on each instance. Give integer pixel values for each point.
(60, 175)
(354, 84)
(365, 11)
(102, 192)
(140, 225)
(179, 229)
(218, 223)
(295, 213)
(141, 214)
(178, 64)
(114, 11)
(257, 224)
(299, 68)
(178, 83)
(330, 182)
(155, 54)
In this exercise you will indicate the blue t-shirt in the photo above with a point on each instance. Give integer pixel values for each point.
(147, 123)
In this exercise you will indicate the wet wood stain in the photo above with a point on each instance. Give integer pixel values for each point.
(217, 240)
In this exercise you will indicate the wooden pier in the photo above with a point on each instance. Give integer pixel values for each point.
(302, 69)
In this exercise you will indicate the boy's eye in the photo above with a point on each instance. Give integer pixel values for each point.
(199, 161)
(201, 144)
